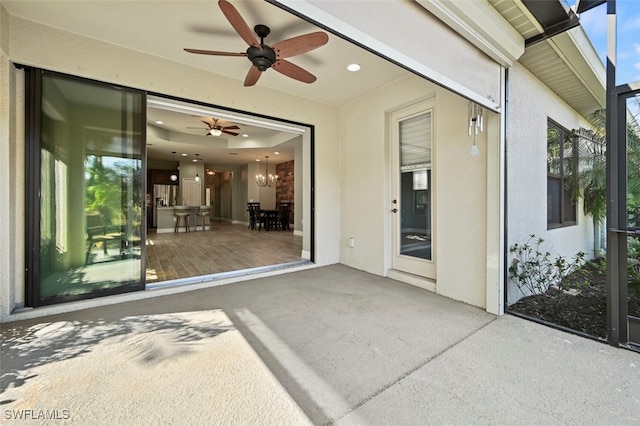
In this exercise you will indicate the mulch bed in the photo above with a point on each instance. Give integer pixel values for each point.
(585, 311)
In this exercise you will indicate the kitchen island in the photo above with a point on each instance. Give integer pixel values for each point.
(166, 221)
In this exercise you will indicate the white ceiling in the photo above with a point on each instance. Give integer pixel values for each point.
(164, 28)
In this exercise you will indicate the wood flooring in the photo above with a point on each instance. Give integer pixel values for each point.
(223, 248)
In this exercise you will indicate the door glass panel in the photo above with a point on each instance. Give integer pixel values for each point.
(415, 186)
(633, 209)
(90, 203)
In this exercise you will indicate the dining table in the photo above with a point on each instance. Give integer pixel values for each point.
(270, 218)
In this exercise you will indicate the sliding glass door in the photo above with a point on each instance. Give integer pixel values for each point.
(85, 177)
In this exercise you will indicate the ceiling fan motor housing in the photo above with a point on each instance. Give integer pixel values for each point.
(261, 58)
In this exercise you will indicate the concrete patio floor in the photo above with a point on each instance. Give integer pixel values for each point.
(329, 345)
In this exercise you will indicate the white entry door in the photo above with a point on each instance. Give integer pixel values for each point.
(412, 190)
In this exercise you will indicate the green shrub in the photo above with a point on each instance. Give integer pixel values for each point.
(534, 270)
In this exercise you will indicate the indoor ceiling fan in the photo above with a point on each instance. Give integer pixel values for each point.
(216, 130)
(263, 56)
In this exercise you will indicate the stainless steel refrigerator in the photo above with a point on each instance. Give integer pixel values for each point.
(163, 196)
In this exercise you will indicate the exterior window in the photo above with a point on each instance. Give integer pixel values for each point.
(561, 158)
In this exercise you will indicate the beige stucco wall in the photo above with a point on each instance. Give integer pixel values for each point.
(33, 44)
(530, 105)
(7, 167)
(460, 180)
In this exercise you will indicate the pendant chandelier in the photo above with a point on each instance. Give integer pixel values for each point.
(267, 179)
(197, 161)
(174, 177)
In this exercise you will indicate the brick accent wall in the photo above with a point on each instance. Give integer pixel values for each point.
(286, 180)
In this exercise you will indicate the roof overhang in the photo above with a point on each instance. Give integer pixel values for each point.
(554, 17)
(584, 5)
(566, 63)
(569, 65)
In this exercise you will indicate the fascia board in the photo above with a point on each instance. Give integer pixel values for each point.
(579, 55)
(479, 23)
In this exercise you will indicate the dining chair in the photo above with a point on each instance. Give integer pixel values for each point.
(284, 215)
(254, 214)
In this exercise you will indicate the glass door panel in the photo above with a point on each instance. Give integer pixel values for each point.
(633, 217)
(91, 231)
(413, 190)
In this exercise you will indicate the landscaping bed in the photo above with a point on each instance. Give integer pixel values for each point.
(584, 308)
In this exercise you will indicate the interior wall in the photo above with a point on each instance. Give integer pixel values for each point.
(527, 169)
(242, 188)
(460, 188)
(33, 44)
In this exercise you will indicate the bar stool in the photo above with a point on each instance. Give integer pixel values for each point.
(182, 212)
(205, 212)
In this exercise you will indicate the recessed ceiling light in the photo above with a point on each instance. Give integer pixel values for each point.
(257, 159)
(184, 155)
(244, 135)
(353, 67)
(276, 153)
(159, 122)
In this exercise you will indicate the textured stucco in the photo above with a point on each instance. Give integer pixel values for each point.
(530, 106)
(459, 179)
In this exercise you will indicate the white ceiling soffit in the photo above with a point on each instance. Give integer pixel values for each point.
(481, 25)
(569, 65)
(374, 30)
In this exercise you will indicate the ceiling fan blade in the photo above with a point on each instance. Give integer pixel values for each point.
(231, 127)
(199, 128)
(291, 70)
(230, 133)
(238, 23)
(252, 76)
(300, 44)
(214, 52)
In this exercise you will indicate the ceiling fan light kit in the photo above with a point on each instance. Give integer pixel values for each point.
(216, 129)
(263, 56)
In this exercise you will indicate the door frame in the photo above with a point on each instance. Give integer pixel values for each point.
(425, 269)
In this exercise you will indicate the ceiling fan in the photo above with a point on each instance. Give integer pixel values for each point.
(262, 56)
(216, 130)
